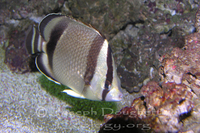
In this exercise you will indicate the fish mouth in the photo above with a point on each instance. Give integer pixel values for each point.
(120, 97)
(115, 98)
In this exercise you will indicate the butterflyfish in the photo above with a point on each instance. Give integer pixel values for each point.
(76, 55)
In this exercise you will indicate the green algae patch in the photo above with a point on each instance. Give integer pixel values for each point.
(89, 108)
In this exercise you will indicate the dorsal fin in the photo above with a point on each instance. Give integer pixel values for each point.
(34, 41)
(48, 23)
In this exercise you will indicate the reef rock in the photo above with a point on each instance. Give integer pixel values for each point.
(172, 105)
(182, 65)
(161, 109)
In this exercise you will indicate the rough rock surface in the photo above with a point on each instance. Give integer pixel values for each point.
(172, 106)
(160, 109)
(139, 32)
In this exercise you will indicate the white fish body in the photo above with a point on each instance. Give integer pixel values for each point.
(76, 55)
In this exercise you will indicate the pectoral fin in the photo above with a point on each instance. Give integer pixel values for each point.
(73, 93)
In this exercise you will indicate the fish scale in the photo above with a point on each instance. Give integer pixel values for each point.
(75, 55)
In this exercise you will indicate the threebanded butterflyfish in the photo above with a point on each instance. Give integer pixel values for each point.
(74, 54)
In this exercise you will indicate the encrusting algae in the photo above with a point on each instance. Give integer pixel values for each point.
(171, 106)
(85, 107)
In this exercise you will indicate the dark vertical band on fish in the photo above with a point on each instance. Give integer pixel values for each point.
(76, 55)
(55, 35)
(109, 75)
(45, 21)
(92, 58)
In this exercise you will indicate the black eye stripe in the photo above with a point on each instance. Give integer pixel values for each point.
(106, 86)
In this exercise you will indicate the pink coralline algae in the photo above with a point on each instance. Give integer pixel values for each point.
(172, 104)
(182, 65)
(160, 109)
(169, 104)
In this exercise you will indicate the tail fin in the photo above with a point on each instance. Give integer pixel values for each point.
(34, 41)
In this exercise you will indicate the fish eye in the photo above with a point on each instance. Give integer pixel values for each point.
(109, 86)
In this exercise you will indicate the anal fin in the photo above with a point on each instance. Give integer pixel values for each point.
(43, 66)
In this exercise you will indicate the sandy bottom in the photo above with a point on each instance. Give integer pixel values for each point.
(26, 107)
